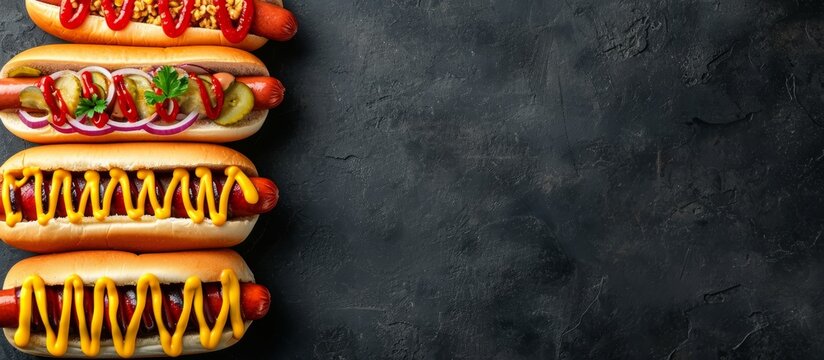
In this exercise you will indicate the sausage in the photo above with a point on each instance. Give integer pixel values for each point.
(24, 197)
(10, 89)
(268, 91)
(273, 22)
(254, 304)
(270, 21)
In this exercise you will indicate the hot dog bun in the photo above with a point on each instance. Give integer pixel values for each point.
(95, 31)
(53, 58)
(129, 156)
(121, 232)
(125, 268)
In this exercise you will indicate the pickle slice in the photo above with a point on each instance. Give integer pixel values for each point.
(138, 86)
(32, 98)
(238, 102)
(69, 87)
(24, 71)
(191, 101)
(101, 82)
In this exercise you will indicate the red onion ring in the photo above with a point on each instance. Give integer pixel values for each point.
(89, 130)
(135, 126)
(196, 69)
(32, 121)
(65, 129)
(108, 75)
(175, 128)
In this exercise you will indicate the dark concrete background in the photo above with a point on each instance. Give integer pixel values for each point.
(537, 179)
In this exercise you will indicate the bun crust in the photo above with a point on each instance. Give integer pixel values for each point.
(120, 232)
(124, 268)
(123, 233)
(95, 31)
(145, 346)
(129, 157)
(201, 131)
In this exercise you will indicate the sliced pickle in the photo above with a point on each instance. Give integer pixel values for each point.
(32, 98)
(191, 101)
(101, 82)
(24, 71)
(69, 87)
(138, 86)
(238, 102)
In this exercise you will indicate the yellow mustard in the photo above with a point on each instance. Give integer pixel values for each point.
(62, 181)
(124, 345)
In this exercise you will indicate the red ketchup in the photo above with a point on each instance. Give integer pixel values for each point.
(244, 23)
(115, 21)
(165, 114)
(89, 89)
(212, 111)
(72, 18)
(171, 27)
(124, 99)
(54, 100)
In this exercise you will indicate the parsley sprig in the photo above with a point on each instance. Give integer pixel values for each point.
(170, 83)
(90, 107)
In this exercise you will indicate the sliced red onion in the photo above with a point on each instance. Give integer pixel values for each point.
(196, 69)
(65, 129)
(132, 72)
(60, 74)
(129, 126)
(32, 121)
(137, 125)
(108, 75)
(173, 128)
(89, 130)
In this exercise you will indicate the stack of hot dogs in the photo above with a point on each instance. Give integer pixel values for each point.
(135, 206)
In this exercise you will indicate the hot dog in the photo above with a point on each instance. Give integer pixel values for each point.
(267, 90)
(96, 93)
(122, 303)
(134, 196)
(245, 24)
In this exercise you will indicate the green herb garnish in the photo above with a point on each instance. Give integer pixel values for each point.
(90, 107)
(170, 84)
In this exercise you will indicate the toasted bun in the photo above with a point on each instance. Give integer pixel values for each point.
(95, 31)
(123, 233)
(202, 130)
(53, 58)
(120, 232)
(145, 346)
(125, 268)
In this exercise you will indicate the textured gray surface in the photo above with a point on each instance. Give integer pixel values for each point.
(538, 179)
